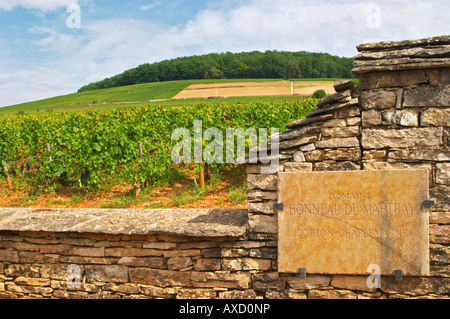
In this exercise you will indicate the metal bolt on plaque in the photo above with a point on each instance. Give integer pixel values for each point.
(302, 272)
(398, 274)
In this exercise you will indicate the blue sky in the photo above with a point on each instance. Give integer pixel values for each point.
(41, 56)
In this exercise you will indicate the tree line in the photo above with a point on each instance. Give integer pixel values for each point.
(245, 65)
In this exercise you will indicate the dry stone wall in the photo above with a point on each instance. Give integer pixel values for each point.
(398, 118)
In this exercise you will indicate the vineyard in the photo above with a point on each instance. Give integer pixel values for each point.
(129, 145)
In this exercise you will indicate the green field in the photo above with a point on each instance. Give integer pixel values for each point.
(138, 95)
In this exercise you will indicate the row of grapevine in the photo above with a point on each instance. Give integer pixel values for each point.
(86, 149)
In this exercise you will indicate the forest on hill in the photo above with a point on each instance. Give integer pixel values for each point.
(245, 65)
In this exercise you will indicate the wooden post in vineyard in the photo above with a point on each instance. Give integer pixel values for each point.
(8, 180)
(202, 178)
(141, 152)
(47, 148)
(141, 156)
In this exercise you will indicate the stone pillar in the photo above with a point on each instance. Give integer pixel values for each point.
(398, 118)
(405, 101)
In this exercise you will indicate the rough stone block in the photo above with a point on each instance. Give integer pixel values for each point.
(298, 167)
(88, 251)
(349, 131)
(343, 85)
(42, 282)
(375, 166)
(106, 273)
(338, 143)
(262, 182)
(199, 245)
(335, 123)
(352, 154)
(268, 281)
(239, 280)
(133, 252)
(9, 256)
(263, 208)
(162, 246)
(177, 263)
(260, 196)
(415, 286)
(343, 96)
(374, 155)
(246, 264)
(207, 265)
(404, 138)
(310, 282)
(128, 289)
(196, 294)
(268, 253)
(439, 254)
(441, 195)
(440, 234)
(234, 252)
(182, 253)
(56, 249)
(435, 117)
(258, 169)
(299, 157)
(307, 148)
(442, 218)
(20, 270)
(150, 262)
(371, 118)
(401, 117)
(160, 278)
(351, 121)
(351, 283)
(309, 121)
(338, 166)
(378, 99)
(158, 292)
(351, 111)
(297, 142)
(263, 224)
(445, 76)
(55, 271)
(331, 294)
(240, 295)
(378, 80)
(418, 155)
(443, 173)
(430, 96)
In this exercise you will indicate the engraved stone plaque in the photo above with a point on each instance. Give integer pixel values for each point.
(344, 222)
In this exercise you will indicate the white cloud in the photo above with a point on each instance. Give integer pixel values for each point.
(44, 5)
(326, 26)
(150, 6)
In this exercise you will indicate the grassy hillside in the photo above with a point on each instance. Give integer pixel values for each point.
(139, 94)
(135, 95)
